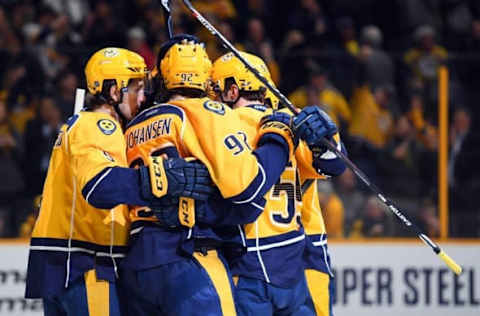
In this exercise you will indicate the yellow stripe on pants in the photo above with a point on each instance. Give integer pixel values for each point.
(97, 295)
(218, 274)
(318, 285)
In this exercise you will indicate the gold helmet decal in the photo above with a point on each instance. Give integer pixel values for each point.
(186, 65)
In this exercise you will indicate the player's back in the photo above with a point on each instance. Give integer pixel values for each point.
(275, 241)
(199, 128)
(67, 224)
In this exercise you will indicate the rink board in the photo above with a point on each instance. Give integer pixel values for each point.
(372, 278)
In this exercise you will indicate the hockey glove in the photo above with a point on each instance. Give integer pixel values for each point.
(175, 177)
(277, 123)
(165, 210)
(311, 125)
(174, 211)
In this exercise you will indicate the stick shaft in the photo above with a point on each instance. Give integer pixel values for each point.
(79, 100)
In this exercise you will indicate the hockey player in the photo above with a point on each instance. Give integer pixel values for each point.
(194, 278)
(176, 270)
(271, 276)
(82, 228)
(316, 258)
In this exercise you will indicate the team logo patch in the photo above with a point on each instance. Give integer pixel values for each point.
(107, 126)
(216, 107)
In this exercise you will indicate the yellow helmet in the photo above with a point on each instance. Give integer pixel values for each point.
(271, 99)
(186, 65)
(229, 66)
(113, 63)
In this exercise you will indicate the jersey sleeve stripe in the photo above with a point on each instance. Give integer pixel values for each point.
(97, 182)
(257, 184)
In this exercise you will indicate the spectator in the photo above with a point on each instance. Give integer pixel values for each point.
(40, 136)
(67, 82)
(56, 43)
(424, 59)
(12, 183)
(103, 28)
(259, 44)
(399, 160)
(332, 208)
(372, 119)
(374, 221)
(321, 92)
(136, 42)
(215, 48)
(428, 219)
(371, 126)
(308, 18)
(26, 228)
(378, 66)
(223, 9)
(76, 10)
(346, 30)
(352, 198)
(428, 163)
(462, 153)
(464, 178)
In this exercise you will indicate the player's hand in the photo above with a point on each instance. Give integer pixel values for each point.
(277, 123)
(312, 125)
(175, 212)
(175, 177)
(165, 210)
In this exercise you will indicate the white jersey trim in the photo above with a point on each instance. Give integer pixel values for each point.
(264, 179)
(77, 249)
(97, 183)
(277, 244)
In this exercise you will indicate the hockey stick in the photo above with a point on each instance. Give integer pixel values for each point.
(79, 100)
(448, 261)
(168, 17)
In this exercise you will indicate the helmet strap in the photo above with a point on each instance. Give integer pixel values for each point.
(116, 107)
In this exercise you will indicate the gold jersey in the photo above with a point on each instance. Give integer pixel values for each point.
(70, 235)
(201, 128)
(88, 144)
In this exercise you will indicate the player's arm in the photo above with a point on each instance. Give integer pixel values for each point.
(311, 125)
(99, 165)
(324, 164)
(275, 143)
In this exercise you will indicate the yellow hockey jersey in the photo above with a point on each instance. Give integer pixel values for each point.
(208, 131)
(316, 252)
(70, 235)
(201, 128)
(275, 241)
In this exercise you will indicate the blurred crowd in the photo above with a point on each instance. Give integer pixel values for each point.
(371, 64)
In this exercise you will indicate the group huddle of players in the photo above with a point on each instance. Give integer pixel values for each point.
(183, 192)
